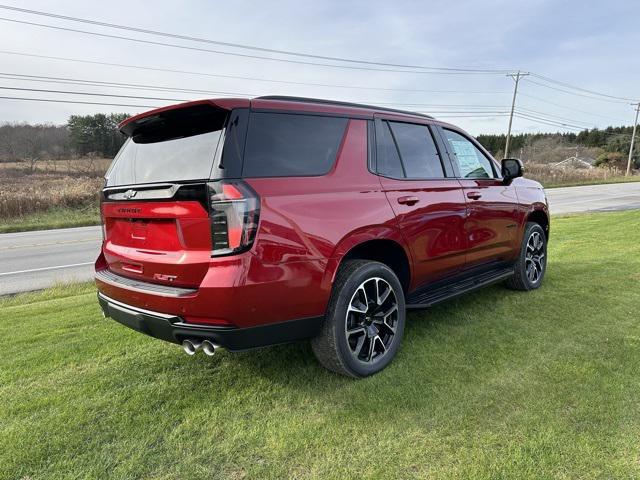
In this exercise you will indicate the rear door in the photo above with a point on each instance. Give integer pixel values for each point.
(155, 205)
(428, 202)
(491, 224)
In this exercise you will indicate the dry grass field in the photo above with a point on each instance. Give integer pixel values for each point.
(565, 177)
(52, 185)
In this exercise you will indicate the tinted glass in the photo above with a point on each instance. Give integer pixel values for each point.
(387, 159)
(284, 145)
(187, 158)
(471, 161)
(417, 150)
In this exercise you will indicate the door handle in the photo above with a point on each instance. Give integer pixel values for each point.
(474, 195)
(408, 200)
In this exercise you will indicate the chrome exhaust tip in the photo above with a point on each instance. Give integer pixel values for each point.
(209, 348)
(191, 346)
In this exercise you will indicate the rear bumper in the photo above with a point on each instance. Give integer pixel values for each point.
(172, 328)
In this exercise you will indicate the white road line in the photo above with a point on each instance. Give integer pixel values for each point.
(50, 232)
(65, 242)
(47, 268)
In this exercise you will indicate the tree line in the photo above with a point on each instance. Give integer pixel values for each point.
(97, 136)
(610, 139)
(82, 136)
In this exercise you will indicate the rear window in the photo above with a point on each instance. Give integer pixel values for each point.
(290, 145)
(173, 146)
(189, 158)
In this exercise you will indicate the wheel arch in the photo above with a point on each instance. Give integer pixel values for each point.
(540, 217)
(381, 244)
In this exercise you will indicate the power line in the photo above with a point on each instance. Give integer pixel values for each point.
(100, 83)
(548, 122)
(69, 92)
(243, 55)
(574, 93)
(96, 94)
(93, 94)
(242, 46)
(461, 105)
(573, 87)
(503, 114)
(535, 112)
(76, 102)
(238, 77)
(570, 108)
(551, 120)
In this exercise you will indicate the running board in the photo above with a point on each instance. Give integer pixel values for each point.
(432, 294)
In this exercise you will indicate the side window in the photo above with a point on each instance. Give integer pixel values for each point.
(284, 145)
(387, 157)
(472, 162)
(417, 150)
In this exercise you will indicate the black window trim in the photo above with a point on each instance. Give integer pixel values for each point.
(449, 173)
(372, 155)
(296, 112)
(497, 175)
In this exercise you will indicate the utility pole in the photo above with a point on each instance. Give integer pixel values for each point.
(516, 77)
(633, 139)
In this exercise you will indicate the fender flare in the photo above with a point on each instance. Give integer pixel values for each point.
(358, 237)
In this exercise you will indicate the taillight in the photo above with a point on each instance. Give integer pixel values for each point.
(234, 211)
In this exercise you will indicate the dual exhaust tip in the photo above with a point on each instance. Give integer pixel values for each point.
(191, 346)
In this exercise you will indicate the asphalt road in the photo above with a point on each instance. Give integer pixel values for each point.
(594, 198)
(35, 260)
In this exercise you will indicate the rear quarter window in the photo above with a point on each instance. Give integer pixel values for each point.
(291, 145)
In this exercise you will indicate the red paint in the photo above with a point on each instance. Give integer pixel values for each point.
(307, 225)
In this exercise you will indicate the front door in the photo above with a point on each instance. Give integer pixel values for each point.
(492, 206)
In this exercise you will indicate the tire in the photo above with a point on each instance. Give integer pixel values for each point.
(358, 341)
(532, 260)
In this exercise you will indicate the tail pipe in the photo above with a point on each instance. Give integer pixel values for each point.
(209, 347)
(191, 346)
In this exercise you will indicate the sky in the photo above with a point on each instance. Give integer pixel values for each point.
(584, 44)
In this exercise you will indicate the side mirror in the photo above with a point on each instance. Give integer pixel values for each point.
(511, 168)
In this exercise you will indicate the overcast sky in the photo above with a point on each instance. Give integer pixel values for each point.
(587, 44)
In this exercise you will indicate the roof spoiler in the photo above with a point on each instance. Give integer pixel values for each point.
(178, 120)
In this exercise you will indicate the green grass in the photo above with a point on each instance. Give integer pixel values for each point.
(53, 218)
(497, 384)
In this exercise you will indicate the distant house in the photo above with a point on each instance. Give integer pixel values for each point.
(575, 163)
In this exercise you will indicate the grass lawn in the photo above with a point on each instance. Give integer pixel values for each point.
(53, 218)
(497, 384)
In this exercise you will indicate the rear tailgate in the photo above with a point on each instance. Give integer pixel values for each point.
(166, 242)
(155, 204)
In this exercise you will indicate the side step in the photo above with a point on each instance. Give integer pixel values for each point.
(436, 293)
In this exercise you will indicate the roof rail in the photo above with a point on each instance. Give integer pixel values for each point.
(336, 102)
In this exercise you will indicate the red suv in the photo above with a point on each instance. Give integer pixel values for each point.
(241, 223)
